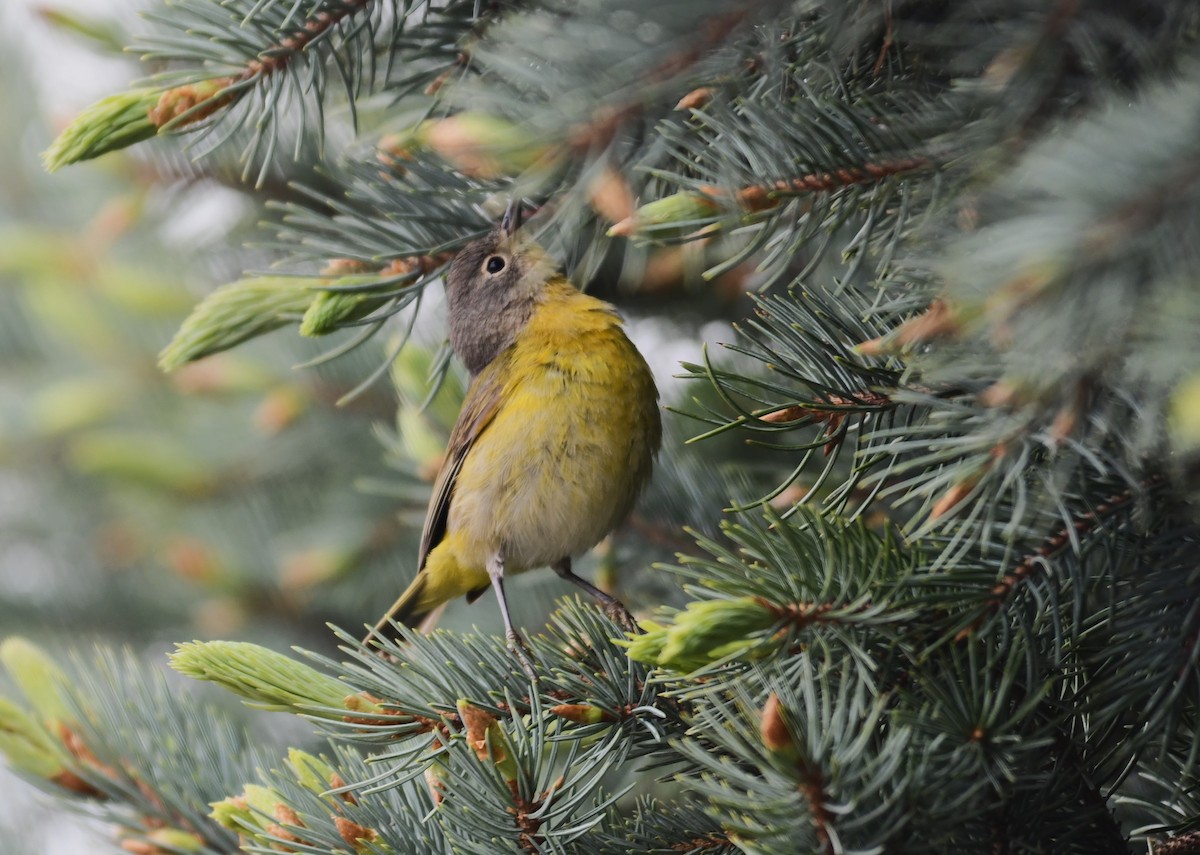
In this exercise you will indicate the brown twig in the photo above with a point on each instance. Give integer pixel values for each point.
(714, 840)
(799, 615)
(1082, 526)
(1184, 844)
(840, 406)
(762, 197)
(276, 59)
(523, 815)
(889, 35)
(813, 787)
(190, 103)
(998, 820)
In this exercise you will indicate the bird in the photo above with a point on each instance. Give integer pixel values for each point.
(555, 440)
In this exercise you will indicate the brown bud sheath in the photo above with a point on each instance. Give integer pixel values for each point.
(611, 195)
(774, 730)
(787, 414)
(352, 832)
(696, 99)
(477, 722)
(336, 782)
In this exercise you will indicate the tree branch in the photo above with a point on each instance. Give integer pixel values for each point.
(1082, 526)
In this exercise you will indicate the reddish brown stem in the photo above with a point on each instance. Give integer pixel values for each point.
(279, 57)
(813, 787)
(1080, 527)
(889, 35)
(1184, 844)
(839, 406)
(188, 104)
(762, 197)
(712, 841)
(798, 615)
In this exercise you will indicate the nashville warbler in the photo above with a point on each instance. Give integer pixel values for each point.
(555, 438)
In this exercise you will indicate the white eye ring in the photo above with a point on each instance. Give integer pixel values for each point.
(494, 264)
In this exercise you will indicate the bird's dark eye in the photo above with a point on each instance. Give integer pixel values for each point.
(494, 264)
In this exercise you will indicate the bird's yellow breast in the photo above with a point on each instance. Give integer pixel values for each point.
(570, 446)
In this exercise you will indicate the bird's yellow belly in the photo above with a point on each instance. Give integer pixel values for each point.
(563, 460)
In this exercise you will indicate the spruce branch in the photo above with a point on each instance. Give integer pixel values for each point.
(1010, 284)
(287, 817)
(745, 615)
(776, 736)
(694, 211)
(108, 125)
(807, 343)
(666, 827)
(791, 760)
(643, 77)
(1071, 535)
(305, 805)
(759, 197)
(266, 679)
(1001, 393)
(320, 21)
(249, 60)
(586, 680)
(150, 766)
(710, 32)
(832, 161)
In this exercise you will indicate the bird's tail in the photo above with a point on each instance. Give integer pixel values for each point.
(441, 580)
(414, 608)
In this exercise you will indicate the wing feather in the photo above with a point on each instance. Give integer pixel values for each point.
(482, 402)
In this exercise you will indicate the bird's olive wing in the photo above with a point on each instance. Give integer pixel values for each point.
(479, 407)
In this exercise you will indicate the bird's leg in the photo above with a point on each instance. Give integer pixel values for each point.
(495, 569)
(612, 607)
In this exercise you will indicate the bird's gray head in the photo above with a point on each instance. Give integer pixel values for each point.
(492, 289)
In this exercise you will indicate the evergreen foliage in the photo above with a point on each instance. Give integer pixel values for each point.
(953, 604)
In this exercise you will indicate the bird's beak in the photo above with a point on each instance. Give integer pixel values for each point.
(512, 218)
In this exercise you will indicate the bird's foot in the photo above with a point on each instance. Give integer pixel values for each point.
(615, 610)
(524, 656)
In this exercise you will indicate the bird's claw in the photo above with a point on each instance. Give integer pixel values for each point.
(524, 656)
(621, 616)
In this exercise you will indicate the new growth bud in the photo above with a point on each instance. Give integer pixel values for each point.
(236, 312)
(487, 739)
(331, 309)
(190, 103)
(773, 726)
(110, 124)
(582, 713)
(40, 680)
(266, 679)
(705, 632)
(482, 145)
(669, 215)
(26, 745)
